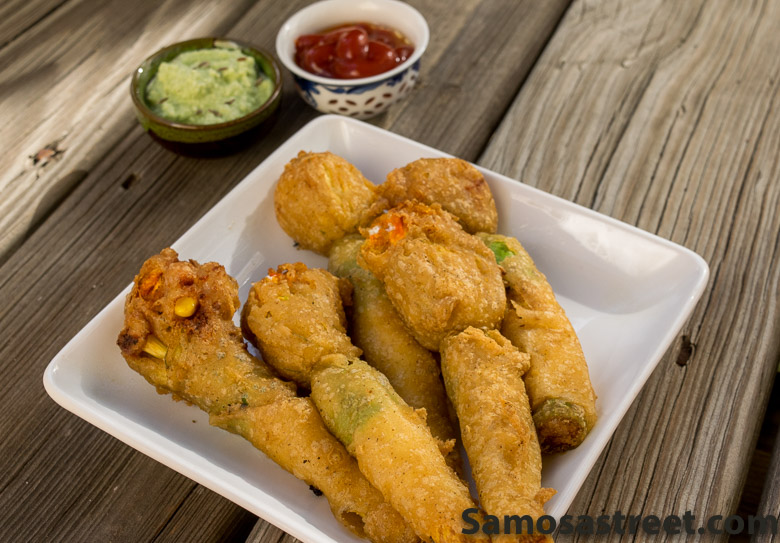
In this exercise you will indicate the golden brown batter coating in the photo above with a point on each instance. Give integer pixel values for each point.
(179, 335)
(452, 183)
(439, 278)
(393, 446)
(562, 398)
(387, 345)
(295, 316)
(320, 198)
(483, 375)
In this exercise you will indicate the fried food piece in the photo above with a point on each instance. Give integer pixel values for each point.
(179, 335)
(483, 375)
(451, 182)
(439, 278)
(295, 316)
(321, 197)
(379, 332)
(393, 447)
(562, 398)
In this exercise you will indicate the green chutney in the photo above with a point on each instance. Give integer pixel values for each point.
(208, 86)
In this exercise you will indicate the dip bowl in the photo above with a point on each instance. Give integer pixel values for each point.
(367, 96)
(203, 139)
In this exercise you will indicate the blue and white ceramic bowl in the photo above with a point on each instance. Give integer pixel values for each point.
(368, 96)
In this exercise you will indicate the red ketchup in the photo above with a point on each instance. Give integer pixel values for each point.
(352, 50)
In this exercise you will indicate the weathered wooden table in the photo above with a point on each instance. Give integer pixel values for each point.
(662, 114)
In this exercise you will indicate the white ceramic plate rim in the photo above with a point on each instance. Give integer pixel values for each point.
(216, 237)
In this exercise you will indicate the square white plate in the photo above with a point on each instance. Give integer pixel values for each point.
(626, 291)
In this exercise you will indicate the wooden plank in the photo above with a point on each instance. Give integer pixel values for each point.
(19, 16)
(463, 97)
(267, 533)
(218, 520)
(769, 440)
(136, 199)
(65, 84)
(664, 115)
(51, 461)
(770, 500)
(759, 470)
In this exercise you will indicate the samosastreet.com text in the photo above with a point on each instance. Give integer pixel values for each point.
(618, 523)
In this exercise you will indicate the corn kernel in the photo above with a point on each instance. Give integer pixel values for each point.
(155, 348)
(185, 307)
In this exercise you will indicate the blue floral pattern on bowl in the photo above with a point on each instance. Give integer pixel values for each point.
(359, 101)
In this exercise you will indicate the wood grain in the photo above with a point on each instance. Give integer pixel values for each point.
(60, 478)
(64, 88)
(770, 500)
(463, 97)
(18, 16)
(205, 516)
(267, 533)
(665, 115)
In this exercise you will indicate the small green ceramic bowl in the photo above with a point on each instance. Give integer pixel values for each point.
(206, 138)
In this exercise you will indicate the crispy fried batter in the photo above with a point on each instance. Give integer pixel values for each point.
(439, 278)
(483, 374)
(295, 316)
(452, 183)
(202, 359)
(394, 448)
(321, 197)
(152, 325)
(558, 382)
(376, 328)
